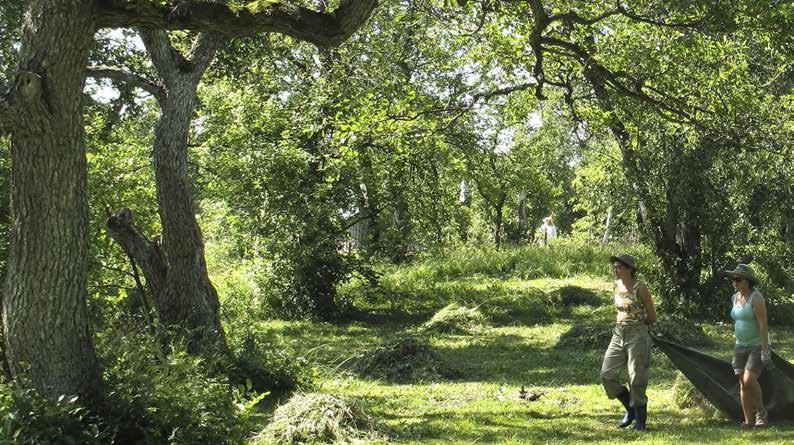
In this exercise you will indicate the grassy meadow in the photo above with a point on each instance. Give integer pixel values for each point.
(530, 299)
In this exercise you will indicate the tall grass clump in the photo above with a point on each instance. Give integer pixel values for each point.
(564, 259)
(316, 418)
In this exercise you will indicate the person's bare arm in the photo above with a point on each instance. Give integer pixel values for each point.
(645, 295)
(759, 310)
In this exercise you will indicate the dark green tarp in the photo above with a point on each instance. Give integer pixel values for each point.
(715, 379)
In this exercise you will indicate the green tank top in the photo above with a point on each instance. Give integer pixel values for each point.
(745, 326)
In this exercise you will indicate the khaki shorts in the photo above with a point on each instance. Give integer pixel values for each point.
(747, 358)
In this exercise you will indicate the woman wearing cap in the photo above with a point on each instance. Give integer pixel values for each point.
(630, 347)
(752, 352)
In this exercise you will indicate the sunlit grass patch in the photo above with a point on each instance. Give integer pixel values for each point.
(520, 347)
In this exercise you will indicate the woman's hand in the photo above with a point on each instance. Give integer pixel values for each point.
(766, 356)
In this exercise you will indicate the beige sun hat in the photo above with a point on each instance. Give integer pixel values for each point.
(742, 271)
(624, 258)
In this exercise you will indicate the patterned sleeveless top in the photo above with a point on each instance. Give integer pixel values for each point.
(630, 308)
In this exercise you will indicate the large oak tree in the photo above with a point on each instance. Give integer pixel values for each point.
(48, 338)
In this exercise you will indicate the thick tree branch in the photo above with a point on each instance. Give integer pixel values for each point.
(572, 17)
(622, 10)
(145, 252)
(165, 57)
(203, 51)
(321, 29)
(131, 79)
(612, 79)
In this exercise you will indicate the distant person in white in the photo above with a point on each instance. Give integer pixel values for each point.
(547, 231)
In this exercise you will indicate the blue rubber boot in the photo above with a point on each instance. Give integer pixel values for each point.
(628, 416)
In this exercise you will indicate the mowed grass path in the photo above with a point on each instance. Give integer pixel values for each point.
(519, 349)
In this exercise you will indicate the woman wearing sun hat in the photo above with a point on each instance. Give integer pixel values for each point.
(630, 347)
(752, 352)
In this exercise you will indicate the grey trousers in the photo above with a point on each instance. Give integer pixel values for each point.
(630, 349)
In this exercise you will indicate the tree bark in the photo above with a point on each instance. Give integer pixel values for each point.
(523, 225)
(137, 246)
(498, 208)
(187, 300)
(319, 28)
(49, 345)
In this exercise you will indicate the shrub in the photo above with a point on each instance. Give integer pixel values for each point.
(28, 418)
(408, 358)
(316, 418)
(457, 319)
(263, 364)
(174, 398)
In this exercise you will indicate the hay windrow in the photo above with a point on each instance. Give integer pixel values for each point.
(409, 358)
(582, 336)
(569, 296)
(680, 330)
(455, 319)
(686, 396)
(317, 418)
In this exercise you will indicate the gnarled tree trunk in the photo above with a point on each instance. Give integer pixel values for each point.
(48, 341)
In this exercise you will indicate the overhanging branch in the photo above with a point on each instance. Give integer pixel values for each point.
(132, 79)
(319, 28)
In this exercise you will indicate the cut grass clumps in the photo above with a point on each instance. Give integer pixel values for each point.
(455, 319)
(528, 304)
(680, 330)
(569, 296)
(317, 418)
(686, 396)
(583, 336)
(410, 358)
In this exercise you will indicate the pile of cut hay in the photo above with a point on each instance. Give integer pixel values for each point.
(586, 337)
(455, 319)
(680, 330)
(317, 418)
(569, 296)
(409, 358)
(686, 396)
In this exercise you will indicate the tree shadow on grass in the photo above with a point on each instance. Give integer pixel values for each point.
(510, 360)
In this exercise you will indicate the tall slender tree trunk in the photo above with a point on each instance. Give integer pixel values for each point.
(49, 343)
(498, 219)
(187, 300)
(523, 225)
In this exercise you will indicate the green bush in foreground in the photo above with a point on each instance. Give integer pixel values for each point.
(28, 418)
